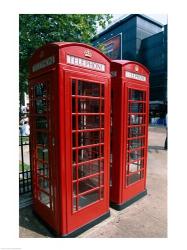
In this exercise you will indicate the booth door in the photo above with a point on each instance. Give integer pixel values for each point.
(42, 150)
(88, 144)
(136, 134)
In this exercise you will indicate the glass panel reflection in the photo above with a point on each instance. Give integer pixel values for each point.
(91, 121)
(136, 131)
(137, 95)
(41, 122)
(87, 199)
(88, 88)
(42, 138)
(40, 90)
(41, 106)
(42, 154)
(135, 177)
(88, 169)
(88, 184)
(89, 154)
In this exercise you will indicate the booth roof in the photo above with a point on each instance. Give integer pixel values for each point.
(66, 44)
(124, 62)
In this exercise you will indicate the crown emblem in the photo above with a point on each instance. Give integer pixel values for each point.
(88, 53)
(136, 68)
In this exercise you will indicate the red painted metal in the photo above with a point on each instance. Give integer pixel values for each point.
(130, 111)
(69, 87)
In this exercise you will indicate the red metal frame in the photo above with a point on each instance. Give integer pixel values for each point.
(130, 112)
(77, 77)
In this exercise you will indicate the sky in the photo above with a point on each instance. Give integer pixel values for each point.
(162, 18)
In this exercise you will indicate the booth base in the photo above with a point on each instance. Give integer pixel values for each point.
(129, 202)
(87, 226)
(77, 231)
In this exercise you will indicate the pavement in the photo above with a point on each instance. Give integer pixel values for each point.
(146, 218)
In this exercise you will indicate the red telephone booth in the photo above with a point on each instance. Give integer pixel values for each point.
(130, 112)
(69, 88)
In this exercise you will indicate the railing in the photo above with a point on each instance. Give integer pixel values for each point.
(24, 165)
(24, 157)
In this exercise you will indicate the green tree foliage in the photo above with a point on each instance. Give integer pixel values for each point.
(37, 30)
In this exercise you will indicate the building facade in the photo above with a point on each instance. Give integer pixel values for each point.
(139, 38)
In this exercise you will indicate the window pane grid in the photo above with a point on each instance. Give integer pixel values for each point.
(77, 159)
(136, 136)
(87, 142)
(42, 127)
(100, 149)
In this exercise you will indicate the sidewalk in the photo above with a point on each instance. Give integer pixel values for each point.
(143, 219)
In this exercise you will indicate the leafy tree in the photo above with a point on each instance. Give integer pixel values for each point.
(39, 29)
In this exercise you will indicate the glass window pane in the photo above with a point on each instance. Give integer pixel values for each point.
(42, 138)
(41, 106)
(90, 106)
(74, 189)
(74, 172)
(136, 143)
(73, 87)
(136, 119)
(74, 204)
(88, 184)
(73, 105)
(88, 138)
(73, 122)
(136, 131)
(74, 153)
(74, 139)
(88, 169)
(88, 88)
(43, 184)
(136, 107)
(44, 198)
(136, 154)
(91, 121)
(40, 90)
(135, 166)
(102, 90)
(42, 154)
(42, 169)
(134, 177)
(41, 122)
(137, 95)
(87, 199)
(89, 154)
